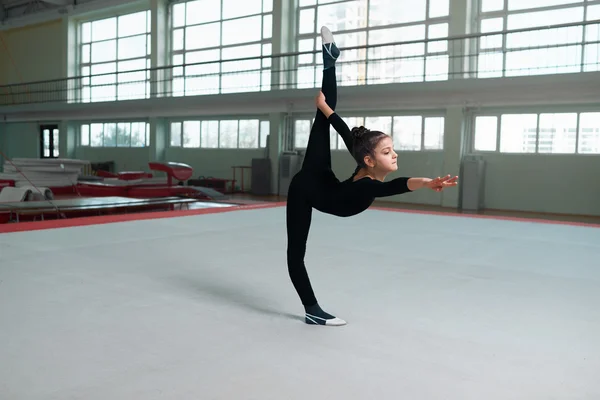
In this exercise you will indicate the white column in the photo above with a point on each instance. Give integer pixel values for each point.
(69, 57)
(284, 28)
(455, 127)
(68, 140)
(454, 138)
(159, 38)
(461, 21)
(159, 138)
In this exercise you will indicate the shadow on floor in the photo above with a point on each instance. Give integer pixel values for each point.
(231, 293)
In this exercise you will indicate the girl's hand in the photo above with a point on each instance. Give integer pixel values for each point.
(438, 184)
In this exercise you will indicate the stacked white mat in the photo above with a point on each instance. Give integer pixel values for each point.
(25, 193)
(56, 172)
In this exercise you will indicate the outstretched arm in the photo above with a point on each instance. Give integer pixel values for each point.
(336, 121)
(402, 185)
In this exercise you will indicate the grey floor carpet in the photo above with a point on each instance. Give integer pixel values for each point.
(438, 307)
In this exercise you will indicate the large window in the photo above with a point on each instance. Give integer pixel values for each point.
(209, 32)
(115, 134)
(409, 132)
(558, 133)
(224, 134)
(362, 22)
(542, 50)
(113, 55)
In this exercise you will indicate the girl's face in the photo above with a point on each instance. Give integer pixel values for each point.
(385, 156)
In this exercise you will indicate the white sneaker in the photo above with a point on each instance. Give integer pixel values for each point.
(314, 320)
(326, 35)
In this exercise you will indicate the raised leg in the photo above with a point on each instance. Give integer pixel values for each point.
(318, 151)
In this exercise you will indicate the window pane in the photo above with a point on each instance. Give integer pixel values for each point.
(524, 4)
(132, 47)
(589, 133)
(101, 69)
(139, 134)
(96, 134)
(191, 134)
(301, 132)
(405, 67)
(558, 133)
(439, 8)
(267, 26)
(132, 65)
(492, 5)
(383, 124)
(307, 45)
(202, 36)
(178, 39)
(240, 8)
(104, 51)
(228, 131)
(104, 29)
(178, 15)
(242, 30)
(434, 133)
(201, 11)
(342, 16)
(486, 129)
(124, 134)
(267, 5)
(307, 21)
(210, 134)
(110, 135)
(132, 24)
(518, 133)
(241, 52)
(407, 133)
(175, 134)
(248, 134)
(387, 12)
(84, 135)
(434, 32)
(86, 32)
(491, 25)
(85, 53)
(545, 18)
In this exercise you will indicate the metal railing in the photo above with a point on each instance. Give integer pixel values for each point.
(566, 48)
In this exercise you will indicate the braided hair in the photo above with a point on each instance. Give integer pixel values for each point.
(364, 142)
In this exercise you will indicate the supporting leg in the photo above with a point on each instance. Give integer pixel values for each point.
(298, 220)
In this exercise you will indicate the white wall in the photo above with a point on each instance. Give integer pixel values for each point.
(564, 184)
(21, 140)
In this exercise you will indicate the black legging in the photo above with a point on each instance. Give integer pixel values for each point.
(308, 187)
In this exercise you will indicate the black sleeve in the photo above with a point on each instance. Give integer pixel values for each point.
(342, 129)
(377, 188)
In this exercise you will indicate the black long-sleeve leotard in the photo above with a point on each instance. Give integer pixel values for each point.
(349, 197)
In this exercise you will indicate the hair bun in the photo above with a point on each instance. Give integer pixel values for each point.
(359, 131)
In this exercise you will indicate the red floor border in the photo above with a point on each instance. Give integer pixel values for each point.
(108, 219)
(84, 221)
(497, 217)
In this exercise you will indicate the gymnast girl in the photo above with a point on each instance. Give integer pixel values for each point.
(316, 186)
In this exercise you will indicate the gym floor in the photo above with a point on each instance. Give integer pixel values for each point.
(438, 306)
